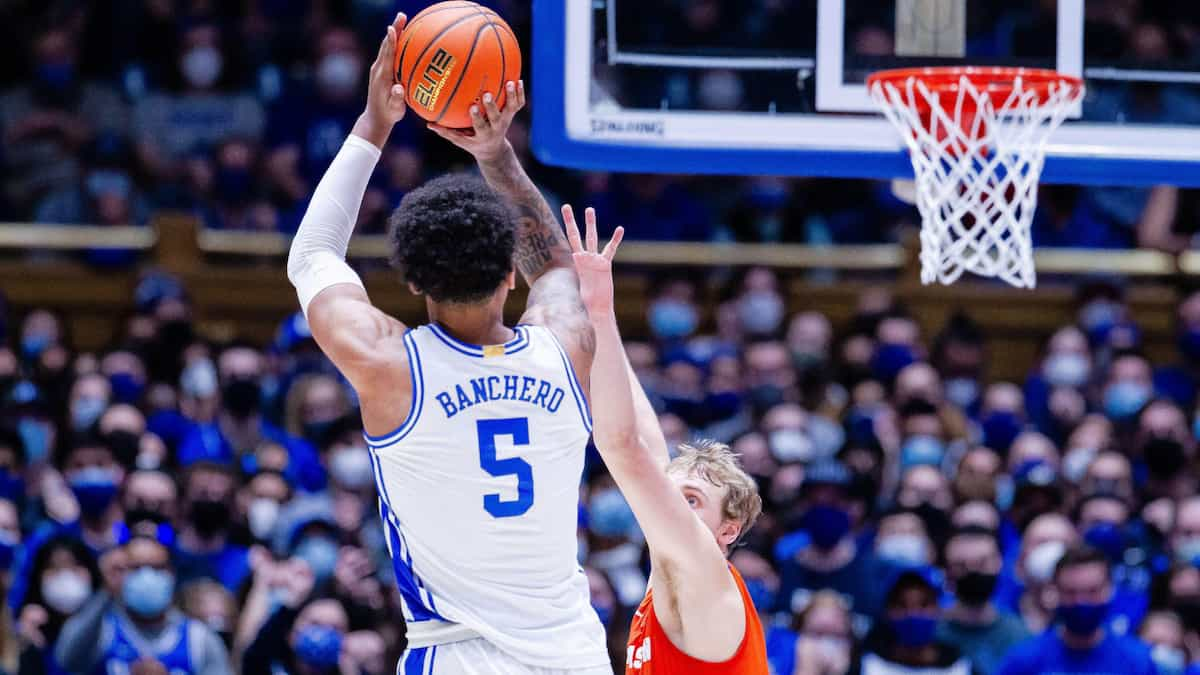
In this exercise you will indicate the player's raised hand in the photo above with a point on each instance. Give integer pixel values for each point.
(593, 266)
(487, 137)
(385, 98)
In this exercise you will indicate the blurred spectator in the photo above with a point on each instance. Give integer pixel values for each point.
(1080, 643)
(47, 121)
(134, 620)
(205, 110)
(308, 125)
(63, 575)
(984, 633)
(905, 637)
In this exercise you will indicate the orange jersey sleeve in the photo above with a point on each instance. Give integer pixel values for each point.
(650, 651)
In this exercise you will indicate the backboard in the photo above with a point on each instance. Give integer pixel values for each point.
(778, 86)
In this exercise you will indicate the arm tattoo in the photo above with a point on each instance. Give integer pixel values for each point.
(535, 250)
(540, 241)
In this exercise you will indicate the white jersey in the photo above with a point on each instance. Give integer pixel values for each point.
(479, 494)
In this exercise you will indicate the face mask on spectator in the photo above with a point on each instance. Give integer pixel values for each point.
(672, 319)
(765, 396)
(35, 437)
(609, 514)
(1187, 551)
(234, 184)
(1188, 609)
(261, 517)
(94, 487)
(1000, 429)
(825, 524)
(140, 512)
(8, 548)
(825, 436)
(1075, 463)
(338, 74)
(66, 590)
(890, 359)
(351, 467)
(914, 630)
(1189, 344)
(974, 589)
(201, 66)
(1123, 400)
(922, 450)
(126, 387)
(86, 410)
(760, 312)
(1169, 660)
(199, 379)
(146, 591)
(56, 76)
(33, 344)
(906, 550)
(790, 445)
(832, 648)
(722, 405)
(319, 646)
(208, 516)
(12, 485)
(962, 391)
(1098, 317)
(760, 594)
(1066, 369)
(1040, 562)
(1082, 618)
(318, 432)
(1165, 457)
(241, 397)
(321, 554)
(1108, 539)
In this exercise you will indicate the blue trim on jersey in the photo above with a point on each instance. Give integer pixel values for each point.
(432, 658)
(417, 375)
(416, 608)
(580, 400)
(513, 346)
(407, 582)
(414, 662)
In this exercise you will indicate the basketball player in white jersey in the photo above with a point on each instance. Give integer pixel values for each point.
(476, 429)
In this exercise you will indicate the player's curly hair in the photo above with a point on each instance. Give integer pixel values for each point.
(453, 238)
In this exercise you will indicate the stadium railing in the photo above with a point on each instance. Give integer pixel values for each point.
(236, 282)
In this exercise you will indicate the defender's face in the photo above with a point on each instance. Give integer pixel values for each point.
(707, 501)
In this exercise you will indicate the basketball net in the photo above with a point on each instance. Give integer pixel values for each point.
(977, 140)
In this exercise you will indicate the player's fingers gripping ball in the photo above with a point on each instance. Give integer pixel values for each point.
(449, 55)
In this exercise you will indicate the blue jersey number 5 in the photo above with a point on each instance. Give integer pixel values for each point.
(518, 429)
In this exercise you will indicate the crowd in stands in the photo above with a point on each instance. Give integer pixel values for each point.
(918, 514)
(230, 111)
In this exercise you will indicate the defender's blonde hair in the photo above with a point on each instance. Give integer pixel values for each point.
(716, 464)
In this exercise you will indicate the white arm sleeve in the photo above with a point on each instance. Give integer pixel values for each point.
(317, 259)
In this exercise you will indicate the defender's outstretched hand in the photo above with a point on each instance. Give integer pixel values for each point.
(385, 98)
(485, 140)
(593, 267)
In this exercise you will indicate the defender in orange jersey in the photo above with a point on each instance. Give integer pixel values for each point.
(697, 618)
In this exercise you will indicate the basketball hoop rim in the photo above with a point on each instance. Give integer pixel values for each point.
(997, 81)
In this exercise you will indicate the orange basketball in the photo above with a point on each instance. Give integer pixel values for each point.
(449, 55)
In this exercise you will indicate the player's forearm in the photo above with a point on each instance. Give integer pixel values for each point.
(648, 427)
(317, 256)
(613, 410)
(540, 242)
